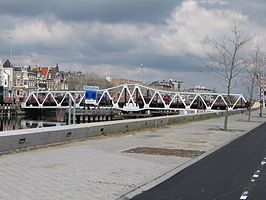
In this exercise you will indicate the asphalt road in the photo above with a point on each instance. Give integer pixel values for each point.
(236, 171)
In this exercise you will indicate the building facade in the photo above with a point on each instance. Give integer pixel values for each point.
(201, 89)
(17, 82)
(24, 82)
(7, 78)
(170, 85)
(50, 78)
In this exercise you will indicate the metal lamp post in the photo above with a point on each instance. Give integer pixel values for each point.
(141, 65)
(261, 96)
(11, 48)
(263, 86)
(260, 77)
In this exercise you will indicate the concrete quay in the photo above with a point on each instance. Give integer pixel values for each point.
(98, 167)
(18, 139)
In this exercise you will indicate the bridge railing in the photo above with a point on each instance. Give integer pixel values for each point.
(53, 99)
(135, 97)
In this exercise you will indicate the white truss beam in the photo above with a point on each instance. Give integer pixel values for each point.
(135, 99)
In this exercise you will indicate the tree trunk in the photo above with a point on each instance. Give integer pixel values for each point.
(249, 107)
(228, 104)
(261, 105)
(249, 113)
(226, 118)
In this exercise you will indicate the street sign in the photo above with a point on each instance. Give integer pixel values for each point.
(90, 101)
(91, 94)
(91, 88)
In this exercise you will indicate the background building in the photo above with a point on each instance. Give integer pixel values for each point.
(120, 81)
(7, 77)
(202, 89)
(170, 85)
(50, 78)
(24, 82)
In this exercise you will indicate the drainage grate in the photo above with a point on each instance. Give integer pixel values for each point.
(22, 140)
(68, 134)
(165, 152)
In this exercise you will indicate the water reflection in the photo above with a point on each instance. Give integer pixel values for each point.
(32, 120)
(7, 124)
(28, 123)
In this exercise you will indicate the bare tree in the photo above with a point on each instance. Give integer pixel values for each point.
(253, 75)
(226, 60)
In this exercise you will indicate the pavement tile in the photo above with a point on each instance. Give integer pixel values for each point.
(98, 168)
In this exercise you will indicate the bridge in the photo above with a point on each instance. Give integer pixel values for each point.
(135, 97)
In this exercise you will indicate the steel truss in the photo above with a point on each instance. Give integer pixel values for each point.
(135, 97)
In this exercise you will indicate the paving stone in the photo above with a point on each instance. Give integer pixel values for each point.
(98, 168)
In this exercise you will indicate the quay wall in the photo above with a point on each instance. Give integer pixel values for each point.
(24, 138)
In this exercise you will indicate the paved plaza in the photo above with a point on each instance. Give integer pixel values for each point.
(98, 168)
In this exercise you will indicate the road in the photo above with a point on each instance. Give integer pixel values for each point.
(236, 171)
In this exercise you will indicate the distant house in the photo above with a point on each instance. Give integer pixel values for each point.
(167, 85)
(63, 82)
(176, 85)
(50, 78)
(7, 64)
(41, 77)
(75, 80)
(7, 77)
(42, 72)
(24, 82)
(201, 89)
(120, 81)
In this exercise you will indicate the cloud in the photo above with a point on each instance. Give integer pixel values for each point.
(189, 28)
(213, 2)
(114, 37)
(113, 11)
(38, 31)
(184, 33)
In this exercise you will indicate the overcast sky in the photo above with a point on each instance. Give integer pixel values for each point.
(113, 37)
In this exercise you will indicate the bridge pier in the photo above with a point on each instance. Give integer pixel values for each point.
(9, 109)
(78, 119)
(88, 117)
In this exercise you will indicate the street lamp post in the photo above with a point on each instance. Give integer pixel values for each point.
(261, 96)
(11, 48)
(141, 65)
(263, 84)
(260, 77)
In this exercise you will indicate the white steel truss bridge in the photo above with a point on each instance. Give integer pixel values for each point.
(135, 97)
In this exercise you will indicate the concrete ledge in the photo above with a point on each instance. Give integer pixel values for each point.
(12, 140)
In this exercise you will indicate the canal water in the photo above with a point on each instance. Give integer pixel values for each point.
(32, 120)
